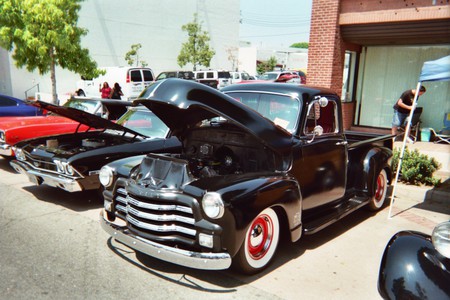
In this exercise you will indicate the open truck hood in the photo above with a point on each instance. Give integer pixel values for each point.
(86, 118)
(181, 104)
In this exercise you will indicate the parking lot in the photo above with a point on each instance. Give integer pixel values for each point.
(53, 248)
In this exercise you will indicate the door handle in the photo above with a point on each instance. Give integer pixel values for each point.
(341, 143)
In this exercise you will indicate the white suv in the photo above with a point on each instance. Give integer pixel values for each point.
(213, 78)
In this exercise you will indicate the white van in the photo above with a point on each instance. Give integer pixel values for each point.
(132, 80)
(214, 78)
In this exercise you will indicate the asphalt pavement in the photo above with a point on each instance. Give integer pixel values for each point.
(53, 248)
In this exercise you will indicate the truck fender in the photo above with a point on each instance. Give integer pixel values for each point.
(247, 199)
(411, 268)
(372, 161)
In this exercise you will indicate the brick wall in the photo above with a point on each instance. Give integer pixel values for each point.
(349, 6)
(326, 51)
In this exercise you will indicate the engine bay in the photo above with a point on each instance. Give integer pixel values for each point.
(70, 145)
(222, 150)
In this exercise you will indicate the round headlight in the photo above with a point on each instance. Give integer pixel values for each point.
(105, 176)
(441, 238)
(213, 205)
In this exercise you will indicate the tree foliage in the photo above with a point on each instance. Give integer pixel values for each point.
(44, 34)
(266, 66)
(233, 57)
(303, 45)
(132, 56)
(196, 50)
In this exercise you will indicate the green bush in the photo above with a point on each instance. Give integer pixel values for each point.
(417, 168)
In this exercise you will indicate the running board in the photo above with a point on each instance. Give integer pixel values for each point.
(335, 215)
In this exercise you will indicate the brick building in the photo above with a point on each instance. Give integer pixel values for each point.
(370, 51)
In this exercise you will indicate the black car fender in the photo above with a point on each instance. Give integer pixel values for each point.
(411, 268)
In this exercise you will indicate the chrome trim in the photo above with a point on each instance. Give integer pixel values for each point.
(163, 218)
(160, 228)
(33, 161)
(68, 184)
(197, 260)
(6, 150)
(160, 207)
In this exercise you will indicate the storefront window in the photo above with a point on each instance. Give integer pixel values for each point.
(387, 71)
(348, 76)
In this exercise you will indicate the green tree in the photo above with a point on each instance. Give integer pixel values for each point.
(44, 34)
(196, 50)
(303, 45)
(132, 56)
(266, 66)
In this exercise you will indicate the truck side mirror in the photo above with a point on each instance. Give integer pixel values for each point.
(318, 130)
(323, 102)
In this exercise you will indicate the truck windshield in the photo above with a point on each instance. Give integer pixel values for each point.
(282, 110)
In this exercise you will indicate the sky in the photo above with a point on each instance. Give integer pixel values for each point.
(271, 23)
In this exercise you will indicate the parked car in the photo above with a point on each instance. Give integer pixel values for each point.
(302, 76)
(16, 129)
(281, 76)
(213, 78)
(133, 81)
(237, 77)
(72, 161)
(257, 160)
(10, 106)
(189, 75)
(416, 265)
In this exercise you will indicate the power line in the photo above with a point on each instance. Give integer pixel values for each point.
(270, 20)
(271, 35)
(279, 23)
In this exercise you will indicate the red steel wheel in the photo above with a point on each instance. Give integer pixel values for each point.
(380, 192)
(261, 241)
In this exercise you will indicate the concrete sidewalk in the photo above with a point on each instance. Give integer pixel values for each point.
(429, 198)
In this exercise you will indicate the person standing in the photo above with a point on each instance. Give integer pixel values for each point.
(116, 92)
(403, 106)
(105, 90)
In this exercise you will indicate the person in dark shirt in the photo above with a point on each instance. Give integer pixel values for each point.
(403, 107)
(116, 92)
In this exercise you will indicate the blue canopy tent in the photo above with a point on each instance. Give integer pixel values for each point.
(435, 70)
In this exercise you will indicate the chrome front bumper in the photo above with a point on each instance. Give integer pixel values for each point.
(6, 150)
(196, 260)
(38, 178)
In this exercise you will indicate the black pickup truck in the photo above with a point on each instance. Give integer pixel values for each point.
(257, 160)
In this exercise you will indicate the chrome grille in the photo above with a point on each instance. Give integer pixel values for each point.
(121, 201)
(41, 164)
(167, 218)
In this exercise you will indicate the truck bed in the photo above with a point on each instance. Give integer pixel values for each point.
(357, 139)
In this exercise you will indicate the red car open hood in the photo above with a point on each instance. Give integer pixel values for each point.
(85, 118)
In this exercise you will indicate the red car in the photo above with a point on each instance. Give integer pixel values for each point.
(16, 129)
(280, 76)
